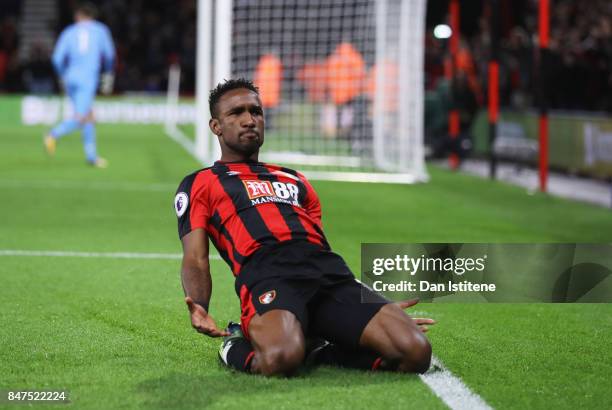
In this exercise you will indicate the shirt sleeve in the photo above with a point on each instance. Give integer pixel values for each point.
(312, 205)
(60, 53)
(108, 50)
(191, 204)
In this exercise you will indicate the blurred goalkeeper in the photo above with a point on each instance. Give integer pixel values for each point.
(84, 49)
(300, 303)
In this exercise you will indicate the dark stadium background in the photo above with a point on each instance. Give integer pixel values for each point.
(151, 35)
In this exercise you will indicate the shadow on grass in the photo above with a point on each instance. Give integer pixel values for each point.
(181, 390)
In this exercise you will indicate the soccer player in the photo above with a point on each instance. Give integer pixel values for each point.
(83, 49)
(265, 221)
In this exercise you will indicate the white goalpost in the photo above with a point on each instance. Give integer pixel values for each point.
(341, 82)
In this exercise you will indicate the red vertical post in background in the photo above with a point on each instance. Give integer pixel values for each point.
(493, 98)
(493, 91)
(453, 115)
(493, 83)
(455, 27)
(544, 29)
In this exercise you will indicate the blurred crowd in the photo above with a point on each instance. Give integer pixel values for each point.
(9, 43)
(149, 35)
(578, 65)
(152, 34)
(581, 46)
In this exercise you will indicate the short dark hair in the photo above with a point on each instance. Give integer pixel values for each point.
(87, 9)
(228, 85)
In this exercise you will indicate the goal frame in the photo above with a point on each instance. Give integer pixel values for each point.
(213, 65)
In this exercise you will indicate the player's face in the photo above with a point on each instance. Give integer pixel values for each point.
(239, 123)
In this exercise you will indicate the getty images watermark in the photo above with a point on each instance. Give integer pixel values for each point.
(458, 272)
(411, 266)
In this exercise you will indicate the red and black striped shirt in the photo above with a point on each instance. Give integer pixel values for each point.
(246, 205)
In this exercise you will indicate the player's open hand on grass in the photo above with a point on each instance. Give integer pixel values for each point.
(422, 322)
(202, 321)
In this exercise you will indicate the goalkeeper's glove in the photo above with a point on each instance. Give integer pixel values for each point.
(106, 83)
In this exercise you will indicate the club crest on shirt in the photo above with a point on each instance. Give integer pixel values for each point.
(181, 201)
(267, 297)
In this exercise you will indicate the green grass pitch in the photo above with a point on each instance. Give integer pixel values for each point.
(116, 334)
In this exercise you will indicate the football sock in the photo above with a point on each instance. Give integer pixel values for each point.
(64, 127)
(355, 359)
(240, 355)
(89, 141)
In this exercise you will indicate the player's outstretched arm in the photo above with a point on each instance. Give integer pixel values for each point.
(421, 322)
(202, 321)
(197, 282)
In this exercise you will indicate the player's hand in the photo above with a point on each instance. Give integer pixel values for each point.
(423, 323)
(202, 321)
(405, 304)
(107, 81)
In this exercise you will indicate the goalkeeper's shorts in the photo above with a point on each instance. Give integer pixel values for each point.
(81, 96)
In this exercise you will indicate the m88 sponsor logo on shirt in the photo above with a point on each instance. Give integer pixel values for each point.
(262, 192)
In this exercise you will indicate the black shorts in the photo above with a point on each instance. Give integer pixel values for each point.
(315, 285)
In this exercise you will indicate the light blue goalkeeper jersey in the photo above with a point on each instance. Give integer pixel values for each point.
(83, 49)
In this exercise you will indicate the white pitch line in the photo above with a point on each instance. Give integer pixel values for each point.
(110, 255)
(450, 389)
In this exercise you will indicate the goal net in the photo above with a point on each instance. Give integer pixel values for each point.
(341, 82)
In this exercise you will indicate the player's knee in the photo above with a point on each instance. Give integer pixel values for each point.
(281, 360)
(415, 354)
(84, 119)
